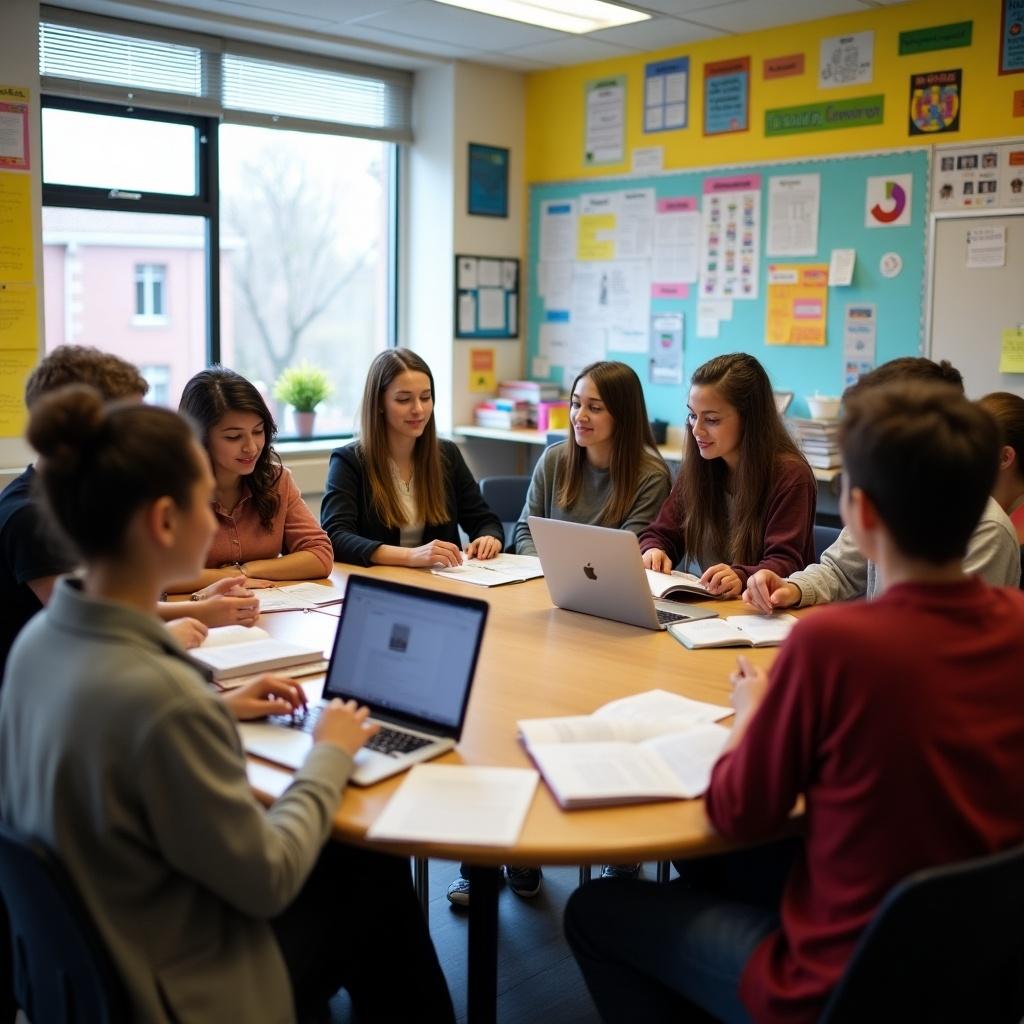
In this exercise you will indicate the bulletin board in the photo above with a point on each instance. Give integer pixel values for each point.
(842, 224)
(486, 297)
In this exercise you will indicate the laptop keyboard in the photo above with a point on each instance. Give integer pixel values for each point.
(388, 741)
(666, 618)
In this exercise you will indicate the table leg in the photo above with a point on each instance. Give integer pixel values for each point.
(482, 982)
(584, 874)
(421, 883)
(664, 870)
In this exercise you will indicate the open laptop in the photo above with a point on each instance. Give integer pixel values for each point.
(407, 653)
(599, 571)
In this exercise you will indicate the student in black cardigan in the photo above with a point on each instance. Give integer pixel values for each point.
(398, 495)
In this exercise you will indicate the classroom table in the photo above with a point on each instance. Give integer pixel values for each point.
(536, 661)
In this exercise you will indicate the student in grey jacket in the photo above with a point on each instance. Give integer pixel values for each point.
(115, 754)
(608, 471)
(844, 573)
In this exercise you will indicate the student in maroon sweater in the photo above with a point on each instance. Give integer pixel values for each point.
(898, 720)
(744, 497)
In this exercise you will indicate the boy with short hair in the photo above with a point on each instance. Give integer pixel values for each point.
(844, 572)
(899, 721)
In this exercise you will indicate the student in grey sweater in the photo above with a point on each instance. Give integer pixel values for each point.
(844, 573)
(115, 754)
(608, 471)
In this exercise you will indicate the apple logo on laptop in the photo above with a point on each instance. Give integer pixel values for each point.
(588, 571)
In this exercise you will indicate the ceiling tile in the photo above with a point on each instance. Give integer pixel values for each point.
(571, 50)
(753, 15)
(676, 8)
(363, 30)
(307, 13)
(656, 34)
(513, 62)
(446, 24)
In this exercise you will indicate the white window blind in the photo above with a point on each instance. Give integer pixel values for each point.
(105, 59)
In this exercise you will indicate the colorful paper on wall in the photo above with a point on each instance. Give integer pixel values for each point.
(666, 94)
(978, 176)
(1011, 37)
(15, 153)
(935, 100)
(15, 366)
(730, 237)
(797, 304)
(16, 263)
(482, 377)
(859, 333)
(888, 201)
(1011, 359)
(666, 349)
(727, 96)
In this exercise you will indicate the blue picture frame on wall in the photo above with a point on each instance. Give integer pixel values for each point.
(487, 189)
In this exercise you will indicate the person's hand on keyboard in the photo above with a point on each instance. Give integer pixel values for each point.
(345, 725)
(268, 695)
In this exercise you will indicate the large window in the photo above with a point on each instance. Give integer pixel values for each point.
(206, 202)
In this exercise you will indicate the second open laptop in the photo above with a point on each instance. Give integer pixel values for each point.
(599, 571)
(407, 653)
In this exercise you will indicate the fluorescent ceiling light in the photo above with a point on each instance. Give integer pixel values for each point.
(562, 15)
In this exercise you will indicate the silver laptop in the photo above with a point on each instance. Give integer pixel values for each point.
(599, 571)
(407, 653)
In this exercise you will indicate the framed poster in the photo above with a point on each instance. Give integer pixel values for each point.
(486, 297)
(487, 190)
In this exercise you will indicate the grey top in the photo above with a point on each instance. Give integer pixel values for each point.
(652, 489)
(115, 754)
(843, 572)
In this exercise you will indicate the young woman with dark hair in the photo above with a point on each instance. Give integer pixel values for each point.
(1008, 411)
(265, 530)
(117, 756)
(398, 495)
(608, 471)
(744, 498)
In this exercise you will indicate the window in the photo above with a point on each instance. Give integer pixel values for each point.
(149, 292)
(261, 236)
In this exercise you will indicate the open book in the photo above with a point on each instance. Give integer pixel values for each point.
(653, 746)
(493, 572)
(297, 596)
(734, 631)
(230, 651)
(674, 583)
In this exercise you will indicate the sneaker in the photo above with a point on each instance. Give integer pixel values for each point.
(524, 882)
(458, 892)
(620, 871)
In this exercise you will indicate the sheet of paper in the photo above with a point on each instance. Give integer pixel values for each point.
(458, 804)
(986, 247)
(648, 159)
(491, 311)
(846, 60)
(607, 772)
(296, 596)
(554, 281)
(662, 703)
(859, 333)
(467, 313)
(558, 229)
(488, 273)
(467, 272)
(597, 226)
(796, 307)
(1011, 358)
(692, 755)
(553, 342)
(793, 206)
(16, 262)
(15, 366)
(840, 267)
(635, 232)
(676, 242)
(665, 355)
(730, 237)
(605, 125)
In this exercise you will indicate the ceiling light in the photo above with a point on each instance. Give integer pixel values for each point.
(561, 15)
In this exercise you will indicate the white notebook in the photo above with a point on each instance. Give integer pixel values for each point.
(734, 631)
(297, 596)
(230, 651)
(494, 572)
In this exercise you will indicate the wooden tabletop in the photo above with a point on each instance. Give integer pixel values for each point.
(537, 661)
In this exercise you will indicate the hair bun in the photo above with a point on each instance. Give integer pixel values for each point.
(63, 425)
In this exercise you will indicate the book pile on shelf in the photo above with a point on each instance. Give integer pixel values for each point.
(523, 403)
(819, 441)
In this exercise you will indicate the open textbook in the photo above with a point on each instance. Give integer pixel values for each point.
(652, 746)
(493, 572)
(734, 631)
(674, 583)
(297, 596)
(231, 651)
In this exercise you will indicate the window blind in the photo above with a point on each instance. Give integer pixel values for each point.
(113, 61)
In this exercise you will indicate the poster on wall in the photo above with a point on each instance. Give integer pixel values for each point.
(605, 122)
(793, 205)
(985, 176)
(1011, 37)
(676, 238)
(730, 237)
(14, 111)
(935, 99)
(846, 60)
(666, 94)
(888, 201)
(666, 348)
(616, 225)
(727, 96)
(796, 308)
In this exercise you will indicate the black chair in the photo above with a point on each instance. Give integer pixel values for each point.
(62, 971)
(946, 947)
(505, 496)
(824, 537)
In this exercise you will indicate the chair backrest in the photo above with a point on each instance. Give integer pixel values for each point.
(824, 537)
(62, 971)
(505, 496)
(946, 946)
(1022, 567)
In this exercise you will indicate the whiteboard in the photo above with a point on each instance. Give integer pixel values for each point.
(971, 306)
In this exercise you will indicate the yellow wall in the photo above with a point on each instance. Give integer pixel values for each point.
(555, 99)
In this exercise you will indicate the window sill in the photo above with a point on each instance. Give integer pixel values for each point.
(150, 321)
(292, 447)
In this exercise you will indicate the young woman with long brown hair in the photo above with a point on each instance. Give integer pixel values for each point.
(398, 495)
(744, 498)
(1008, 411)
(607, 472)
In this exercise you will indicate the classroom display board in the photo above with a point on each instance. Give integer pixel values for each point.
(754, 259)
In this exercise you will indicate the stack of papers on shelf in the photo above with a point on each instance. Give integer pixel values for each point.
(818, 440)
(297, 596)
(449, 803)
(231, 651)
(502, 413)
(734, 631)
(653, 746)
(493, 572)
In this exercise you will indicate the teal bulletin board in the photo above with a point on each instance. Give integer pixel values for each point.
(802, 369)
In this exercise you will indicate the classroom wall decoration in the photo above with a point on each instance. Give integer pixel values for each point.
(935, 99)
(486, 297)
(593, 290)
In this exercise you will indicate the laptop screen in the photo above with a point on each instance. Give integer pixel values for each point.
(408, 651)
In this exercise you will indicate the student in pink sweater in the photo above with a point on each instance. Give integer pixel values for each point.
(265, 531)
(898, 720)
(744, 498)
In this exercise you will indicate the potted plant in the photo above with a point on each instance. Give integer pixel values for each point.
(303, 387)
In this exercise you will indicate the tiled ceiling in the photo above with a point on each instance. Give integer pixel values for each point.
(415, 33)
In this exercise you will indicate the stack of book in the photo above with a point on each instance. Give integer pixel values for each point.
(819, 441)
(540, 399)
(504, 413)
